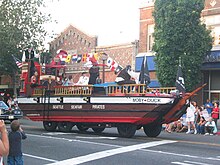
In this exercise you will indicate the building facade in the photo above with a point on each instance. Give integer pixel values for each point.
(123, 54)
(74, 41)
(211, 66)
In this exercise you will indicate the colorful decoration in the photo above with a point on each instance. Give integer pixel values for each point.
(90, 59)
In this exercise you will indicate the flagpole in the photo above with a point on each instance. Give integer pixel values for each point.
(180, 61)
(104, 58)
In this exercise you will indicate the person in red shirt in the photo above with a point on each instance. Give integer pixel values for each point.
(215, 112)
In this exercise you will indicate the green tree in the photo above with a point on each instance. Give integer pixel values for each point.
(21, 26)
(180, 34)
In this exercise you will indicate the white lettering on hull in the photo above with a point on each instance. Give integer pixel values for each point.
(98, 106)
(58, 107)
(76, 106)
(147, 100)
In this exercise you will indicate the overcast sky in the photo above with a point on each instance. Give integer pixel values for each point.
(113, 21)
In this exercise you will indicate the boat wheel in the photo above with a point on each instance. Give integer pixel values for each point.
(99, 128)
(65, 126)
(126, 130)
(152, 130)
(82, 127)
(50, 125)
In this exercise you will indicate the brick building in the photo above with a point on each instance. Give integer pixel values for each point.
(211, 66)
(73, 41)
(123, 54)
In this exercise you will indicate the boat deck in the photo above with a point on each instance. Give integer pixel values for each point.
(104, 90)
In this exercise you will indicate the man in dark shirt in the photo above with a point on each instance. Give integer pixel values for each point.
(15, 136)
(124, 77)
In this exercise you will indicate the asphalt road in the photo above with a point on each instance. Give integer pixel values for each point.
(56, 148)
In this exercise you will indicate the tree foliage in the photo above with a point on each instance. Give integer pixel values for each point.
(180, 34)
(21, 26)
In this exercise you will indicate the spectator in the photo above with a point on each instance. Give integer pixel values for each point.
(184, 124)
(201, 125)
(205, 113)
(15, 137)
(9, 102)
(179, 125)
(190, 118)
(170, 127)
(210, 127)
(14, 101)
(6, 97)
(208, 105)
(215, 112)
(4, 144)
(197, 112)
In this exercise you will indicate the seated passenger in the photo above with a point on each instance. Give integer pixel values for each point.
(83, 80)
(34, 80)
(65, 82)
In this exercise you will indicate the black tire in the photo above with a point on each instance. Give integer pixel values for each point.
(50, 125)
(65, 126)
(99, 129)
(152, 130)
(82, 127)
(126, 130)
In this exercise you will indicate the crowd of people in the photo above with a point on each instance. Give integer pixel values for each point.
(84, 79)
(197, 119)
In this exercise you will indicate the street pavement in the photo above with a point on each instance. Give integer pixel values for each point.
(56, 148)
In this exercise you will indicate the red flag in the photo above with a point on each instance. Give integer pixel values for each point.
(114, 65)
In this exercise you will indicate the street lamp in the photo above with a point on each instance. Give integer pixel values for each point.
(104, 57)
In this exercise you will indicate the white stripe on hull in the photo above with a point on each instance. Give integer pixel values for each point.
(103, 100)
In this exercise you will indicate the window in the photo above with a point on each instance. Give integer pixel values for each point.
(150, 42)
(150, 39)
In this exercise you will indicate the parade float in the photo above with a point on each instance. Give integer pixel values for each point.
(99, 106)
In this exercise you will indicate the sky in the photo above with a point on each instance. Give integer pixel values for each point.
(113, 21)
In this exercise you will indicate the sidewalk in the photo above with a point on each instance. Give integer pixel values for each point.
(218, 124)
